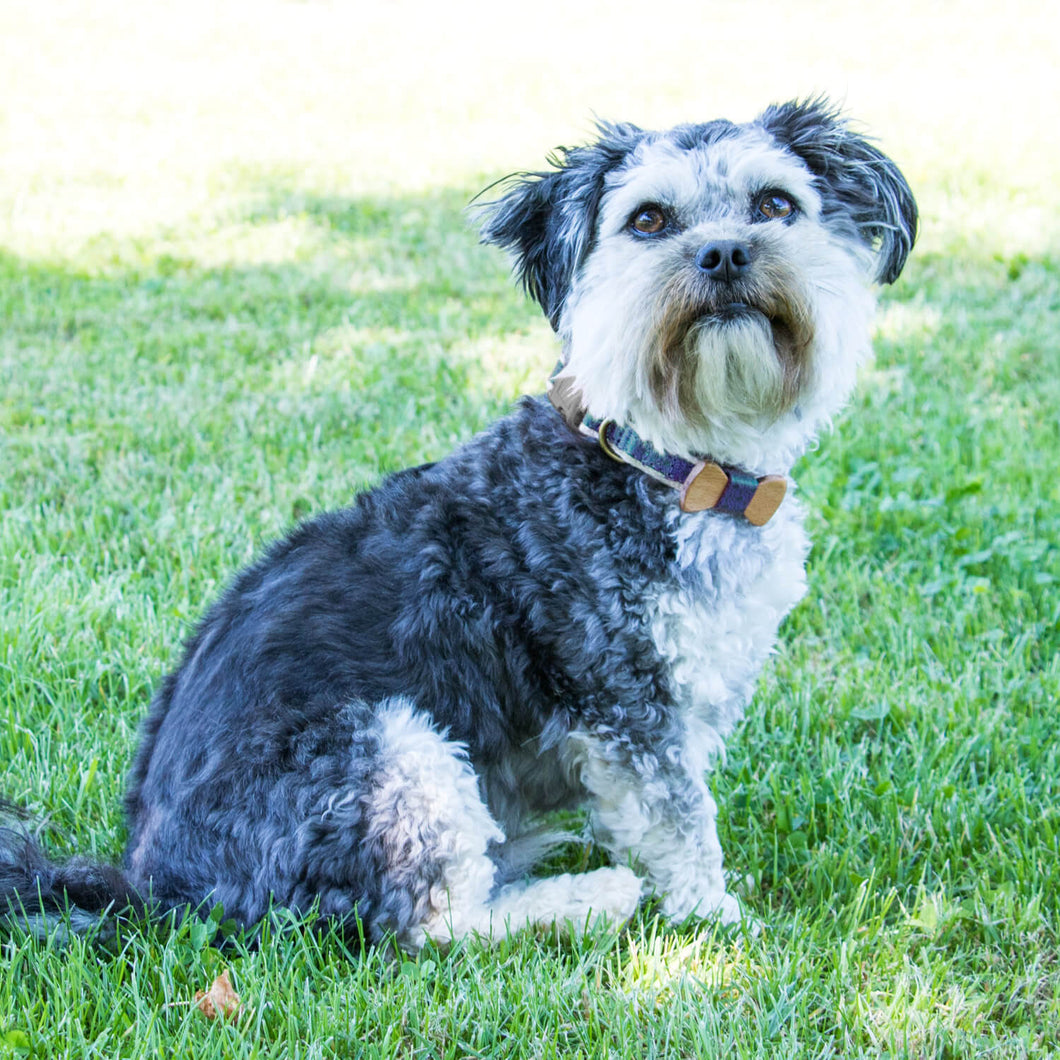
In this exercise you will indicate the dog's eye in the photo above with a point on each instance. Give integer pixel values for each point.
(774, 206)
(649, 220)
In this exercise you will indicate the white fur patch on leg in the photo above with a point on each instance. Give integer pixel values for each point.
(428, 806)
(665, 820)
(427, 799)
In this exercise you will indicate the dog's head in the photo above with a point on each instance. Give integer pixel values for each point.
(711, 284)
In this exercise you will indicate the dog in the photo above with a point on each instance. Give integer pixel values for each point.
(570, 610)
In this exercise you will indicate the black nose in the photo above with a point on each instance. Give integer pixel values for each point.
(724, 260)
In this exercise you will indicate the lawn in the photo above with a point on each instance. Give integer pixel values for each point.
(237, 285)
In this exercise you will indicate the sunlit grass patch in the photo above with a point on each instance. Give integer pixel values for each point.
(657, 964)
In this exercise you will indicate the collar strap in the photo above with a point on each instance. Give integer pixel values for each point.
(702, 484)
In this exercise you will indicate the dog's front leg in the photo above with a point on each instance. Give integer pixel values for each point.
(659, 813)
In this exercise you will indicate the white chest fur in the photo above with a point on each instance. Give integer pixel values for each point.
(717, 623)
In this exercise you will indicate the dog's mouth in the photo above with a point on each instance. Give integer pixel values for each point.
(789, 337)
(763, 324)
(790, 331)
(732, 311)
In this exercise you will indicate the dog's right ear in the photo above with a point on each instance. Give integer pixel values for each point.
(861, 183)
(548, 220)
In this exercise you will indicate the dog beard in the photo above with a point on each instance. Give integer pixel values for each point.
(742, 349)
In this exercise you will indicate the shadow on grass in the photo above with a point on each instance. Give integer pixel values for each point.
(373, 333)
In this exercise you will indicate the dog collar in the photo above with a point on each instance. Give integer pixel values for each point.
(702, 484)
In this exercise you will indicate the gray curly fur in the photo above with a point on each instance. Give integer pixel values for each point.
(500, 589)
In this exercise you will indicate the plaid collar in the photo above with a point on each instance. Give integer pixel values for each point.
(702, 483)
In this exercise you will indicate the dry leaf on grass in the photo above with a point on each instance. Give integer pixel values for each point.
(220, 999)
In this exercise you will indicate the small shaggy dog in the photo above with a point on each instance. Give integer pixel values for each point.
(570, 610)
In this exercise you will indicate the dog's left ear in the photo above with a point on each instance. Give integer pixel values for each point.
(548, 220)
(861, 181)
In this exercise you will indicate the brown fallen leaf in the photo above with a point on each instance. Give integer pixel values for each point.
(220, 999)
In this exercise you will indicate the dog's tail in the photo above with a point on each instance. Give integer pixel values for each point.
(47, 898)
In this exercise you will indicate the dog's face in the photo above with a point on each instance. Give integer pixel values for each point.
(711, 284)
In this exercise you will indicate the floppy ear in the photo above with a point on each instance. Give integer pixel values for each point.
(548, 220)
(858, 180)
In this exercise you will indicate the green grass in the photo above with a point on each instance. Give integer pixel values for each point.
(236, 286)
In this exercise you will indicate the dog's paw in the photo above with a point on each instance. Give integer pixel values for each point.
(617, 894)
(572, 901)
